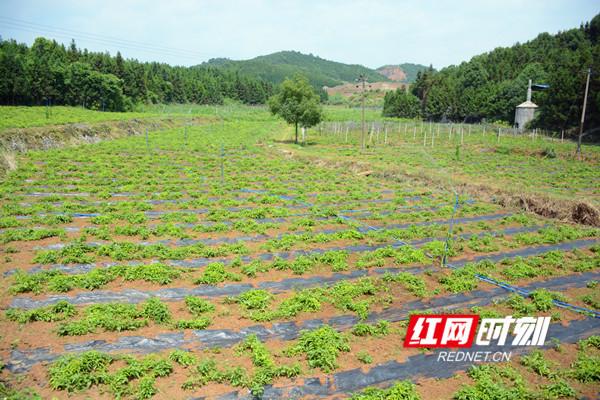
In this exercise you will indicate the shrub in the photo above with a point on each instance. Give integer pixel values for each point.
(586, 368)
(198, 306)
(183, 358)
(461, 280)
(56, 312)
(403, 390)
(382, 328)
(322, 347)
(493, 382)
(542, 299)
(537, 363)
(412, 283)
(364, 357)
(156, 310)
(216, 273)
(257, 299)
(197, 323)
(75, 373)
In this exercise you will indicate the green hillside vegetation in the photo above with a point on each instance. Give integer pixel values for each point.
(373, 98)
(274, 68)
(411, 70)
(50, 73)
(490, 85)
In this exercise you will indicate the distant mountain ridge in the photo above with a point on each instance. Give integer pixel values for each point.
(406, 73)
(320, 72)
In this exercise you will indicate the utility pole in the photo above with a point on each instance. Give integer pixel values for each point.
(587, 85)
(363, 81)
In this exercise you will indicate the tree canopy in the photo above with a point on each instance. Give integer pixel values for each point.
(491, 85)
(49, 72)
(297, 103)
(276, 67)
(401, 104)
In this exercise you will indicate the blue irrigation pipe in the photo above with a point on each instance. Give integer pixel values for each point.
(504, 285)
(525, 293)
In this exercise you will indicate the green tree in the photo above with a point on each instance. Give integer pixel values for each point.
(47, 72)
(401, 104)
(297, 103)
(96, 90)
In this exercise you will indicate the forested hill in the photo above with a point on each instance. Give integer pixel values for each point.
(48, 72)
(492, 84)
(274, 68)
(406, 72)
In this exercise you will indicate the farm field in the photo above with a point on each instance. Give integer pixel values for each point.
(26, 117)
(220, 261)
(486, 156)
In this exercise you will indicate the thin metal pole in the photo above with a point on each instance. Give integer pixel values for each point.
(587, 85)
(362, 137)
(222, 166)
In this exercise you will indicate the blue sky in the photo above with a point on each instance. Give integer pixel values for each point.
(372, 33)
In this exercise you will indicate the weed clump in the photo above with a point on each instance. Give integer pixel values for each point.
(75, 373)
(322, 347)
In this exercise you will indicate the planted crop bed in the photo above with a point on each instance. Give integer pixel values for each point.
(205, 264)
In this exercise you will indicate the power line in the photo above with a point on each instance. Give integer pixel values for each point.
(92, 36)
(95, 35)
(98, 39)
